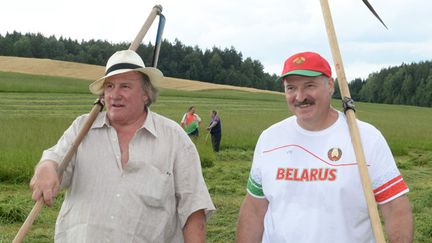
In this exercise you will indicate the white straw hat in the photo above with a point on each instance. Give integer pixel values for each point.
(122, 62)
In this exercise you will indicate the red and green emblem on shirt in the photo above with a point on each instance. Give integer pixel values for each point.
(334, 154)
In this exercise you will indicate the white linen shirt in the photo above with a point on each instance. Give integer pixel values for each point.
(149, 200)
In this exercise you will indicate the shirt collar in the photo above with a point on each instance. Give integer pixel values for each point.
(101, 120)
(149, 125)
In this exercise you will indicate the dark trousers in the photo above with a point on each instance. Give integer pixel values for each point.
(215, 139)
(194, 133)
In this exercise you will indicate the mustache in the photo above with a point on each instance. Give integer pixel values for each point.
(304, 102)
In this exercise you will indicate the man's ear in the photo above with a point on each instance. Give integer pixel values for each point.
(145, 97)
(331, 83)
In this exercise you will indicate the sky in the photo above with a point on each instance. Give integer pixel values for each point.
(269, 31)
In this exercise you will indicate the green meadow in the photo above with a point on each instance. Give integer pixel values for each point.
(35, 110)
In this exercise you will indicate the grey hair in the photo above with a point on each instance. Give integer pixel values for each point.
(326, 81)
(151, 91)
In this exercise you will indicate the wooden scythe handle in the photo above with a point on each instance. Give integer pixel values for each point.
(353, 128)
(62, 167)
(157, 9)
(29, 221)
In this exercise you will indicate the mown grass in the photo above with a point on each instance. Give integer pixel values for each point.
(405, 127)
(18, 82)
(35, 110)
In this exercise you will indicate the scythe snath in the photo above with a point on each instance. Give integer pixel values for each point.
(351, 119)
(98, 106)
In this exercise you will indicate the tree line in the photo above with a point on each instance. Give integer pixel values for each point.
(219, 66)
(407, 84)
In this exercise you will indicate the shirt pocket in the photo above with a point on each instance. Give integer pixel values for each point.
(152, 186)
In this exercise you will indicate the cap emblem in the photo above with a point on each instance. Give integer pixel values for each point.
(299, 60)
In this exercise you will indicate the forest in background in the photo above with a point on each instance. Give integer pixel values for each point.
(177, 60)
(407, 84)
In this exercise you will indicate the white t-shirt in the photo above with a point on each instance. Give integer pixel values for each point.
(312, 182)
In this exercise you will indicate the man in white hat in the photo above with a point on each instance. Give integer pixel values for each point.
(136, 177)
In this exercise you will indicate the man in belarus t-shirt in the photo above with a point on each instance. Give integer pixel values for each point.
(304, 184)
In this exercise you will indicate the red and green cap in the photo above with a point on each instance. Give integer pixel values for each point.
(309, 64)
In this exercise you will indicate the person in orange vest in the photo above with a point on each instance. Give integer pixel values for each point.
(190, 122)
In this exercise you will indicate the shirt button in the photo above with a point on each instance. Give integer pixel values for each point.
(112, 217)
(118, 195)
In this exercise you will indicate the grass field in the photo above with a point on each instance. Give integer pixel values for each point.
(58, 68)
(35, 110)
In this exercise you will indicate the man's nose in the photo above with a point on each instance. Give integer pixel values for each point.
(300, 95)
(115, 93)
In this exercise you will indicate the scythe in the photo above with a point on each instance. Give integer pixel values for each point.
(348, 104)
(98, 106)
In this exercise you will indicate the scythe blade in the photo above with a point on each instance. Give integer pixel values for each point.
(374, 12)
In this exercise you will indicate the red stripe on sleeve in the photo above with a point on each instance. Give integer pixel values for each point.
(387, 184)
(391, 191)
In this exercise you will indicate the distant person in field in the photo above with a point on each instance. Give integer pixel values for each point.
(190, 122)
(215, 129)
(136, 176)
(304, 183)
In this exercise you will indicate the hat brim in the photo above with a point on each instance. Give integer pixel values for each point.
(307, 73)
(154, 74)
